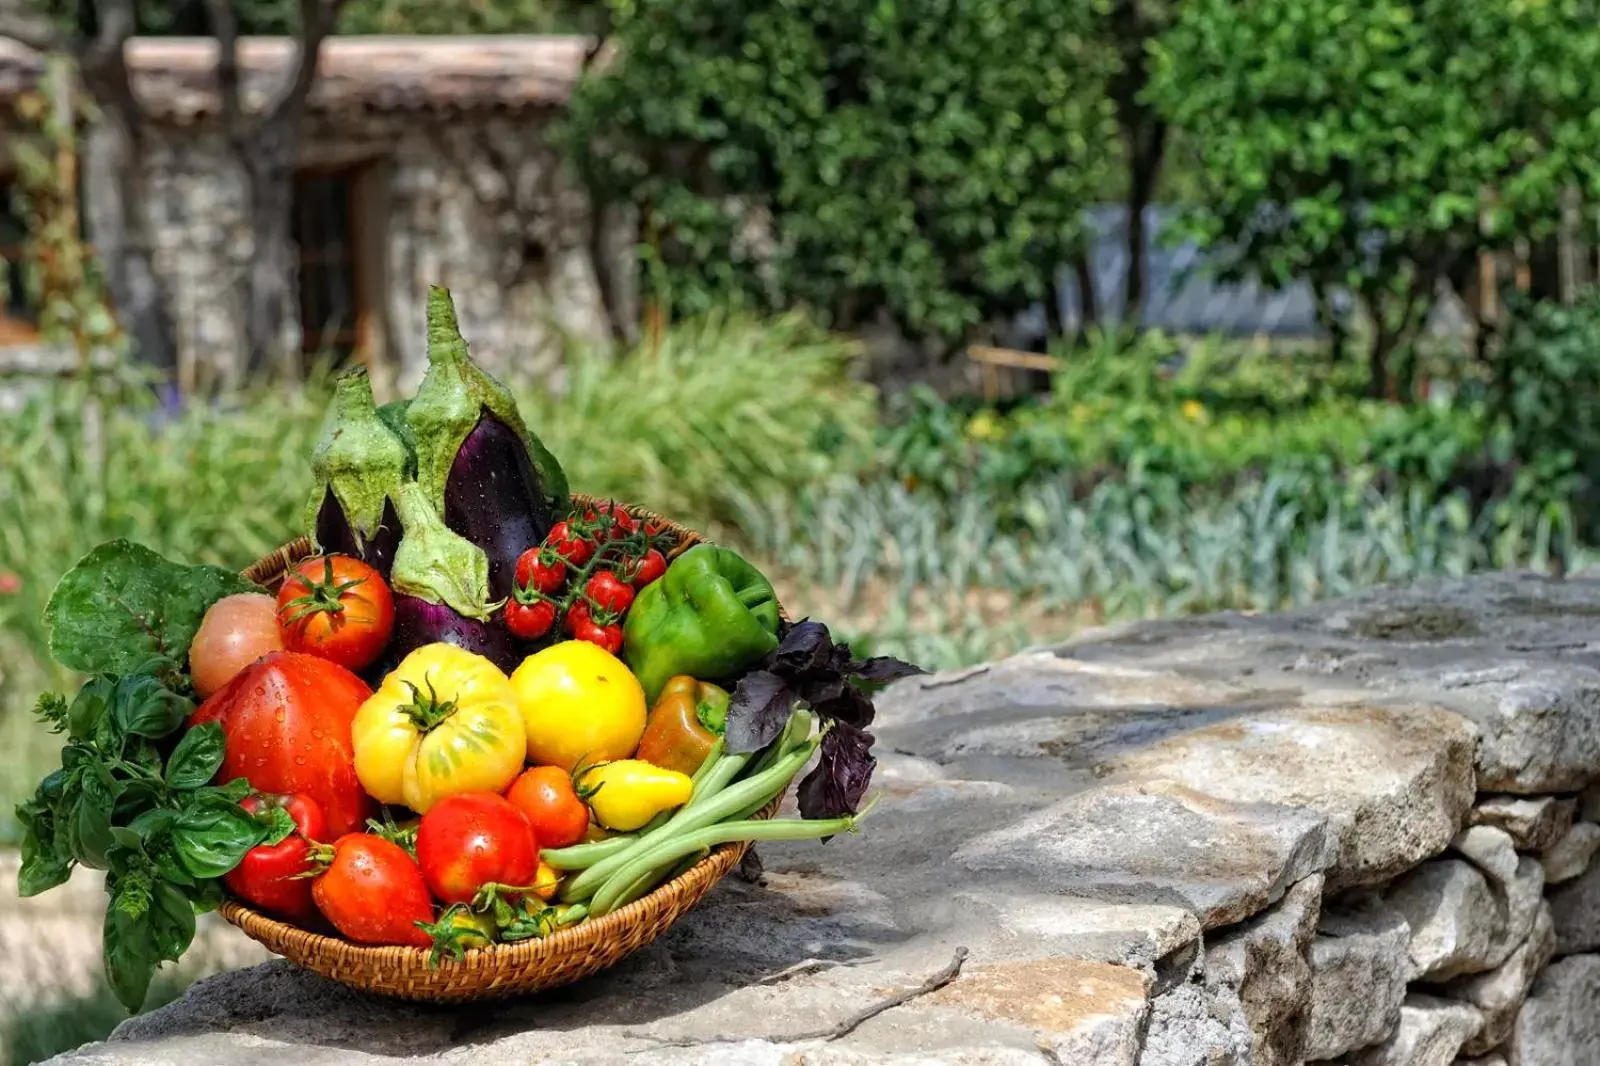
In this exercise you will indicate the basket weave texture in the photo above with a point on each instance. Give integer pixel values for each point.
(501, 970)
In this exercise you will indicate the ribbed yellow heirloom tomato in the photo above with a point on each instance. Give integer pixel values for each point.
(444, 721)
(579, 703)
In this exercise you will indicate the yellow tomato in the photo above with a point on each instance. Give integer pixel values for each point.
(444, 721)
(579, 703)
(624, 795)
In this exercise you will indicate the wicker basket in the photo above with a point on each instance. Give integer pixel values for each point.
(501, 970)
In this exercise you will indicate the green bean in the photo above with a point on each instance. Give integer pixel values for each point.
(583, 856)
(714, 808)
(711, 757)
(671, 850)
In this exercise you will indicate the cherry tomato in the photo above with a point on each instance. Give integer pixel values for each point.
(541, 570)
(234, 633)
(336, 608)
(642, 570)
(372, 891)
(566, 543)
(610, 522)
(608, 593)
(582, 626)
(530, 621)
(546, 796)
(470, 839)
(269, 874)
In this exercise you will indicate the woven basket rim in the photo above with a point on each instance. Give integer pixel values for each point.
(335, 954)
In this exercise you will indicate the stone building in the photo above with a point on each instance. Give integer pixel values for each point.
(423, 161)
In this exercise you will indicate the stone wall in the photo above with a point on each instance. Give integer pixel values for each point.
(476, 202)
(1360, 834)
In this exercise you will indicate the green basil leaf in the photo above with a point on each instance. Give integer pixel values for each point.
(137, 797)
(154, 824)
(123, 605)
(212, 836)
(171, 921)
(276, 824)
(205, 895)
(165, 856)
(53, 710)
(144, 754)
(91, 834)
(43, 867)
(127, 838)
(197, 758)
(91, 709)
(144, 707)
(233, 791)
(130, 957)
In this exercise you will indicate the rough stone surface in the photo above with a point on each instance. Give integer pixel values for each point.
(1263, 962)
(1393, 783)
(1359, 965)
(1514, 653)
(1158, 842)
(1133, 836)
(1431, 1033)
(1499, 994)
(1534, 822)
(1570, 856)
(1454, 917)
(1575, 906)
(1559, 1025)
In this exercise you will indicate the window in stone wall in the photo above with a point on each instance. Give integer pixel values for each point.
(19, 318)
(332, 319)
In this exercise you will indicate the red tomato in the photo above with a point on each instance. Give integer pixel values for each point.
(530, 621)
(286, 720)
(609, 594)
(642, 570)
(583, 627)
(268, 875)
(337, 608)
(372, 891)
(541, 570)
(565, 542)
(546, 797)
(470, 839)
(610, 522)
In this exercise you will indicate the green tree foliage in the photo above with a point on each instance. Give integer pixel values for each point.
(930, 157)
(1379, 145)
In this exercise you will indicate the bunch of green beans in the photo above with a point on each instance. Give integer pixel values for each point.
(614, 872)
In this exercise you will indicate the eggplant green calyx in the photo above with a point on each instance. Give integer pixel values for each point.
(453, 396)
(358, 457)
(435, 564)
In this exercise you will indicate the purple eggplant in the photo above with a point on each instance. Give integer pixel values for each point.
(359, 464)
(479, 466)
(418, 622)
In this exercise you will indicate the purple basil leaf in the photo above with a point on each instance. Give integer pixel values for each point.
(805, 649)
(882, 669)
(760, 708)
(847, 704)
(839, 781)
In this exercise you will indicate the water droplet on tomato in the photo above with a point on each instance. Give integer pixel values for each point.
(299, 760)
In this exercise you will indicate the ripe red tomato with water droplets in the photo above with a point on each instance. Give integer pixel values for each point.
(541, 570)
(546, 795)
(530, 621)
(644, 569)
(582, 626)
(269, 874)
(565, 542)
(609, 594)
(286, 723)
(372, 891)
(471, 839)
(338, 608)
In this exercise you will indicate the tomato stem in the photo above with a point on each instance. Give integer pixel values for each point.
(427, 712)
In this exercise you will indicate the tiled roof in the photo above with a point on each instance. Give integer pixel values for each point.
(176, 76)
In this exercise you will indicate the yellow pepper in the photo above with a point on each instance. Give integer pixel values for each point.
(626, 794)
(444, 721)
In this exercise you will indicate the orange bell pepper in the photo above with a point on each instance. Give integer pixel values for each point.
(686, 721)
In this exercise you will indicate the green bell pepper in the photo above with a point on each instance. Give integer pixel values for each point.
(711, 615)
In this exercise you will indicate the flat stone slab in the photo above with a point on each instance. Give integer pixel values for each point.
(1158, 842)
(1393, 783)
(1517, 654)
(1534, 822)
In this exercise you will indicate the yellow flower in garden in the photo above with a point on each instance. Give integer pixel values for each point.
(982, 427)
(1194, 410)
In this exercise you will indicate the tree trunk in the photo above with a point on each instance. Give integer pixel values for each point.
(1088, 311)
(119, 229)
(272, 326)
(1147, 142)
(1332, 322)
